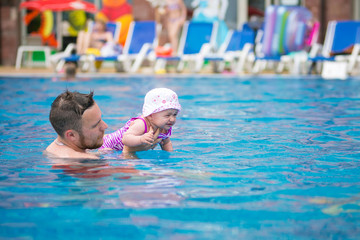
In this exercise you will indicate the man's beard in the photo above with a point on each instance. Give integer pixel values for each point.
(85, 146)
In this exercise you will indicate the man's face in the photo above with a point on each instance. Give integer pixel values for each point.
(93, 128)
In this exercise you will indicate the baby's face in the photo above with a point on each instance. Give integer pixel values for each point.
(164, 119)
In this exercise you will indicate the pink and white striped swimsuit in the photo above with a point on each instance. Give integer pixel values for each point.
(114, 140)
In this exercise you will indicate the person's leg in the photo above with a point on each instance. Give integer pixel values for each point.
(82, 42)
(79, 42)
(173, 34)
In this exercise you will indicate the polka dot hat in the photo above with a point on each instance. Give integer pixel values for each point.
(160, 99)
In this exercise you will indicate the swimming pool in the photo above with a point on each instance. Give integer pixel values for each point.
(255, 157)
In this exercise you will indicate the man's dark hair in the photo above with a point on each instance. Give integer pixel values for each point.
(67, 110)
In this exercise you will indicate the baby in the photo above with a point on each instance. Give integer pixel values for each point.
(161, 106)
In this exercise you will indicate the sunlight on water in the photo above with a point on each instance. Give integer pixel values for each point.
(254, 158)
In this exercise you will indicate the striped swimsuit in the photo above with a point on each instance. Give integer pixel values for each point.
(114, 140)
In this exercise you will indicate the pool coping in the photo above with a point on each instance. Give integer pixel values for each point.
(11, 72)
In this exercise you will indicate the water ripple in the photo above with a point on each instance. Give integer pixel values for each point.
(254, 158)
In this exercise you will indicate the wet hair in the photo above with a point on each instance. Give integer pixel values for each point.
(67, 110)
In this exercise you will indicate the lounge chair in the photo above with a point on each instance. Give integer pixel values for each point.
(235, 50)
(284, 33)
(354, 60)
(296, 61)
(338, 51)
(34, 44)
(59, 59)
(139, 45)
(197, 40)
(140, 40)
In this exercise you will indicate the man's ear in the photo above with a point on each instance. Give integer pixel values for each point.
(71, 135)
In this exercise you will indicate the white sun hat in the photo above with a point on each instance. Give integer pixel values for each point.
(160, 99)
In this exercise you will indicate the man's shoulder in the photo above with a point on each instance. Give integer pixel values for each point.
(54, 150)
(51, 147)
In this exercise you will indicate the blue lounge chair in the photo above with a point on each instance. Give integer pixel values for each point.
(197, 40)
(140, 42)
(235, 49)
(58, 60)
(337, 48)
(354, 59)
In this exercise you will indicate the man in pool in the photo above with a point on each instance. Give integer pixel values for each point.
(76, 119)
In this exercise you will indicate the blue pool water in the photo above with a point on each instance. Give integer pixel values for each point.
(271, 157)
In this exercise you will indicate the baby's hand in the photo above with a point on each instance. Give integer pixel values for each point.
(150, 139)
(147, 138)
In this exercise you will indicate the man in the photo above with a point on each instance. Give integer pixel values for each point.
(77, 120)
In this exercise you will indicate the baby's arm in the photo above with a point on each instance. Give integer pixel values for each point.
(166, 145)
(135, 136)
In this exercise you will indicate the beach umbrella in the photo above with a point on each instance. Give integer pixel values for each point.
(59, 6)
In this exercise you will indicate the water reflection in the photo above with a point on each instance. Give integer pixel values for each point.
(249, 154)
(90, 168)
(120, 183)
